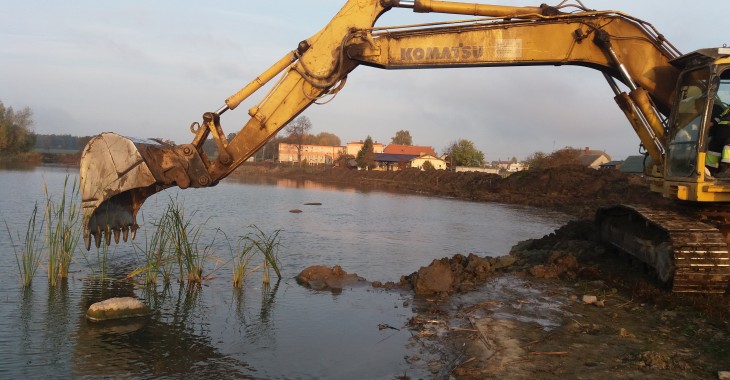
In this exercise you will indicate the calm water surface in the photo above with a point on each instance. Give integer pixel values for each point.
(283, 331)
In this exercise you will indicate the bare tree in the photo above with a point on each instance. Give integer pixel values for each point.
(297, 134)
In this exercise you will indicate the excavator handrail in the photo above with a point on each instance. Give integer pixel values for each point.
(652, 33)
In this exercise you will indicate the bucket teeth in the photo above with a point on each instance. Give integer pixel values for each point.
(108, 236)
(125, 233)
(87, 241)
(117, 232)
(134, 230)
(97, 238)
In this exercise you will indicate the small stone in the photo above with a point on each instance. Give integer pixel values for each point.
(589, 300)
(600, 303)
(723, 375)
(573, 297)
(295, 211)
(117, 308)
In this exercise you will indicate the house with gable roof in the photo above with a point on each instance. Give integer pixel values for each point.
(593, 158)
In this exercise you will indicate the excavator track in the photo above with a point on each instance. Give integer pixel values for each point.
(691, 255)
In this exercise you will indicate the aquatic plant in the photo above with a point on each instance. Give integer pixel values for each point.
(241, 261)
(184, 240)
(102, 257)
(99, 263)
(176, 241)
(156, 256)
(268, 246)
(29, 257)
(63, 230)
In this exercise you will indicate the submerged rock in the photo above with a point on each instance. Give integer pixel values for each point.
(321, 277)
(117, 308)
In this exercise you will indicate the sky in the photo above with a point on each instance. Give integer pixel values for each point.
(151, 68)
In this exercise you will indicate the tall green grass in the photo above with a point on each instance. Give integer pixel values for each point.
(176, 245)
(28, 258)
(175, 240)
(184, 240)
(156, 257)
(63, 230)
(268, 246)
(241, 260)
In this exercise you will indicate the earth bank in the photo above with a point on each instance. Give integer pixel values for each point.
(560, 306)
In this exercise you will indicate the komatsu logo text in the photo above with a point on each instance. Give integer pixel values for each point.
(434, 53)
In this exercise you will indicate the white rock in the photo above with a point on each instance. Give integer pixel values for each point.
(115, 308)
(588, 299)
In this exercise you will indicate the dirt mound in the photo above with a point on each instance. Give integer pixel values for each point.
(321, 277)
(571, 189)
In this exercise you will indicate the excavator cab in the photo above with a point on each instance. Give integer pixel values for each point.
(694, 169)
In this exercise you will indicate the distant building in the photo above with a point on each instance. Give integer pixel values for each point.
(436, 162)
(593, 158)
(354, 147)
(392, 162)
(612, 165)
(634, 164)
(313, 154)
(412, 150)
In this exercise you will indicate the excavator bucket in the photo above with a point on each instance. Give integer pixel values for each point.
(118, 174)
(115, 181)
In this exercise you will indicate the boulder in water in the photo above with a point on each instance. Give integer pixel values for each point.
(117, 308)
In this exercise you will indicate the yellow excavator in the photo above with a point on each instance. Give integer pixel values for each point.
(670, 99)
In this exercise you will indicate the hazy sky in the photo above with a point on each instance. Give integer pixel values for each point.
(150, 68)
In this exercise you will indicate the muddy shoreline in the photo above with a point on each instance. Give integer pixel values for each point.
(564, 306)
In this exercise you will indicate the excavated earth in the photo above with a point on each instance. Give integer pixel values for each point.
(558, 306)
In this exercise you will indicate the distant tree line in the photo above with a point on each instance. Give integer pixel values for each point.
(16, 130)
(60, 142)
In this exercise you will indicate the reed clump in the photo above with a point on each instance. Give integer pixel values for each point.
(63, 229)
(176, 246)
(241, 260)
(268, 246)
(28, 258)
(176, 241)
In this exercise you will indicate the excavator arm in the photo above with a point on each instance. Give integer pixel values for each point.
(119, 173)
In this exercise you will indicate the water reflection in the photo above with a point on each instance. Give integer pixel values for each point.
(174, 341)
(215, 330)
(292, 183)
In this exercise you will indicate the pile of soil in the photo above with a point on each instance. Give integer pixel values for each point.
(614, 319)
(574, 190)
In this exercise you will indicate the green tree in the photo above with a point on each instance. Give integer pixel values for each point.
(298, 134)
(463, 153)
(16, 133)
(366, 157)
(402, 137)
(427, 166)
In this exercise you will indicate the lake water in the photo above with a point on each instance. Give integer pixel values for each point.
(283, 331)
